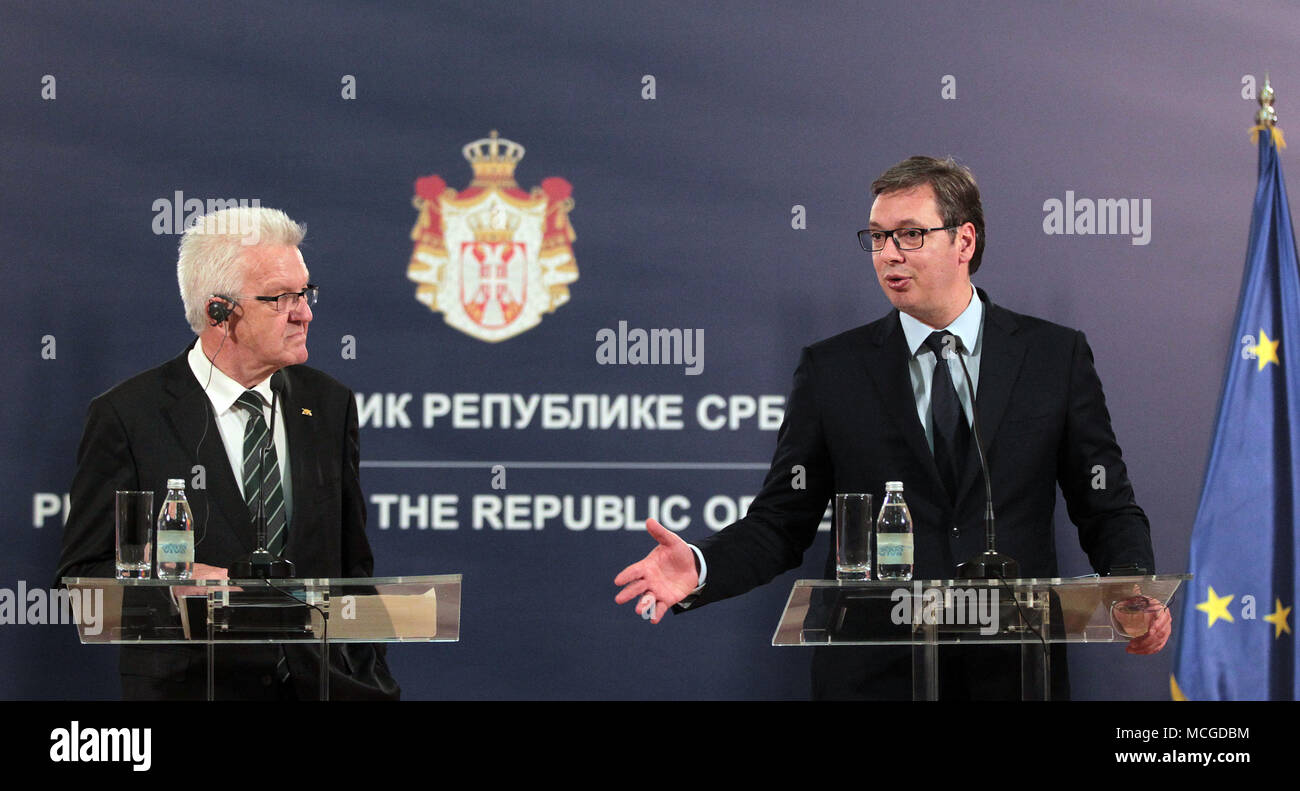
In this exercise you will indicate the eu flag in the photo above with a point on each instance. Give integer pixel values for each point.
(1236, 639)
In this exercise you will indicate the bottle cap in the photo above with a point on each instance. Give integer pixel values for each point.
(894, 486)
(175, 483)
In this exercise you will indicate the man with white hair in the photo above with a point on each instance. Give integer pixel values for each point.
(248, 298)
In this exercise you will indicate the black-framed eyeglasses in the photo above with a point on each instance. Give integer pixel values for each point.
(288, 301)
(904, 238)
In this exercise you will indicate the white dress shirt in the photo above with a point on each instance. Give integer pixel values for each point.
(223, 392)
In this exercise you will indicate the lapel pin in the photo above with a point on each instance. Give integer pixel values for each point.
(306, 412)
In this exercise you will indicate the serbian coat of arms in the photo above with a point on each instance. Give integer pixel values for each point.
(492, 258)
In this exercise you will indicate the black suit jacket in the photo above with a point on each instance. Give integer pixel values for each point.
(159, 425)
(851, 425)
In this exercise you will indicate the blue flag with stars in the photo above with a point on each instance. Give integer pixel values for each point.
(1236, 638)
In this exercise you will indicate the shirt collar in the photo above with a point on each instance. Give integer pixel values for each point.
(222, 391)
(967, 327)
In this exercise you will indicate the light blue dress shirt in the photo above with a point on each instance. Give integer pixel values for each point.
(969, 328)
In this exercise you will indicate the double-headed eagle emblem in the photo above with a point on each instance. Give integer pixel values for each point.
(492, 258)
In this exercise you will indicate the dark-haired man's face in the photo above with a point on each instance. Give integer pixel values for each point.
(931, 284)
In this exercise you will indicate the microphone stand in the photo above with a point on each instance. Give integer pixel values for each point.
(989, 564)
(263, 564)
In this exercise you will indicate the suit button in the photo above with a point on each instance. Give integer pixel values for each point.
(956, 531)
(266, 681)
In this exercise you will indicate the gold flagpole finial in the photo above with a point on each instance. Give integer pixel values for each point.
(1266, 117)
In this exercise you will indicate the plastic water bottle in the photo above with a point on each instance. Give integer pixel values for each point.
(894, 536)
(174, 546)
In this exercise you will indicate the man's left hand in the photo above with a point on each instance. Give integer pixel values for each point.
(1156, 636)
(202, 571)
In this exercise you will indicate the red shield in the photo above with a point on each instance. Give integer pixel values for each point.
(493, 281)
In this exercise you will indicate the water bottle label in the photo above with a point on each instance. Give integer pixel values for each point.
(175, 546)
(893, 549)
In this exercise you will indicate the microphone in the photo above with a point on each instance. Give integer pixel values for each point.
(277, 387)
(989, 564)
(262, 563)
(261, 467)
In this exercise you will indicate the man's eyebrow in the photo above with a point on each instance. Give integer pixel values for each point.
(282, 288)
(908, 223)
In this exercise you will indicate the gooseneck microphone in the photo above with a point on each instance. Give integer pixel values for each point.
(989, 564)
(262, 563)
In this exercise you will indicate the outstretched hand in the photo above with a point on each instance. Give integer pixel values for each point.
(662, 578)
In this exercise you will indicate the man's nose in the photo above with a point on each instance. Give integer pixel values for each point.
(891, 252)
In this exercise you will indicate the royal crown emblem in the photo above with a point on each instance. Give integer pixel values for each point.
(492, 258)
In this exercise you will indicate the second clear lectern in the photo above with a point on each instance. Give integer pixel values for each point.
(929, 614)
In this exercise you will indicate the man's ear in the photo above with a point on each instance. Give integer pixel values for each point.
(966, 241)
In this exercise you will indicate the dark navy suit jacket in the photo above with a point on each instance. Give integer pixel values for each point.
(149, 429)
(851, 425)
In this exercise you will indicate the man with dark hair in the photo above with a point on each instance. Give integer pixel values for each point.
(871, 405)
(955, 194)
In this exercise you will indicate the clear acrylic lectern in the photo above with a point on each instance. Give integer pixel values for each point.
(927, 614)
(227, 612)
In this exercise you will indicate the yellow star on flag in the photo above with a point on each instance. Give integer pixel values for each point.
(1278, 619)
(1216, 607)
(1266, 350)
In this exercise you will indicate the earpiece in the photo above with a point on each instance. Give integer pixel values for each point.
(218, 312)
